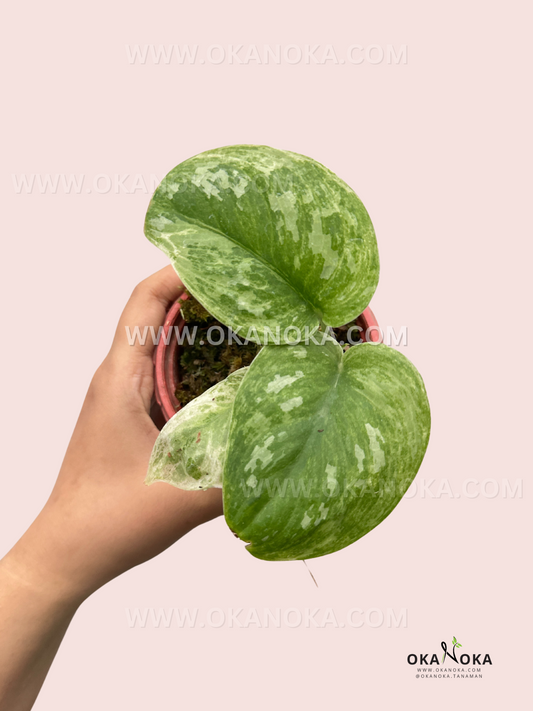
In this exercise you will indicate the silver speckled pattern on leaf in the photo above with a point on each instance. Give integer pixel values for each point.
(322, 446)
(266, 239)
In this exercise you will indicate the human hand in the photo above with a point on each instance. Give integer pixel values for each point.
(101, 519)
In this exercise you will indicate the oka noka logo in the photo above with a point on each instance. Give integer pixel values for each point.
(453, 654)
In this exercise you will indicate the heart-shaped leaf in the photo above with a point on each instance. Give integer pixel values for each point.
(322, 446)
(266, 240)
(190, 450)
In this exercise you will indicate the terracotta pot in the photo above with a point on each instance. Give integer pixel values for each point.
(166, 359)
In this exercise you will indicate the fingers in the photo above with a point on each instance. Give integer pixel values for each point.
(144, 314)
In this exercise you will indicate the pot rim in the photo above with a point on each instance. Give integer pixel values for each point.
(166, 376)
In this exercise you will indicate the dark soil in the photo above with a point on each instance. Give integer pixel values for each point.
(346, 337)
(203, 365)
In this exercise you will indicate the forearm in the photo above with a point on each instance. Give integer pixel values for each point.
(61, 560)
(33, 620)
(101, 519)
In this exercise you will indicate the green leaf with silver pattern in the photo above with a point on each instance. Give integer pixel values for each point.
(322, 446)
(267, 240)
(190, 450)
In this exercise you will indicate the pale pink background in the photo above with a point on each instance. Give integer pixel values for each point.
(437, 150)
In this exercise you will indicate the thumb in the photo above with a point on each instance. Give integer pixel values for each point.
(145, 310)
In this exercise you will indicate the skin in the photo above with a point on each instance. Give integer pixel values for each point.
(101, 519)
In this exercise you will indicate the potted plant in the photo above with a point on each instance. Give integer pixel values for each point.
(313, 443)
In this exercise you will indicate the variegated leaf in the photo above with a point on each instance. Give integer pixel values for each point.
(266, 240)
(190, 450)
(322, 446)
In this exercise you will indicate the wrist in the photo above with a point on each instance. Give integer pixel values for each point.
(33, 566)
